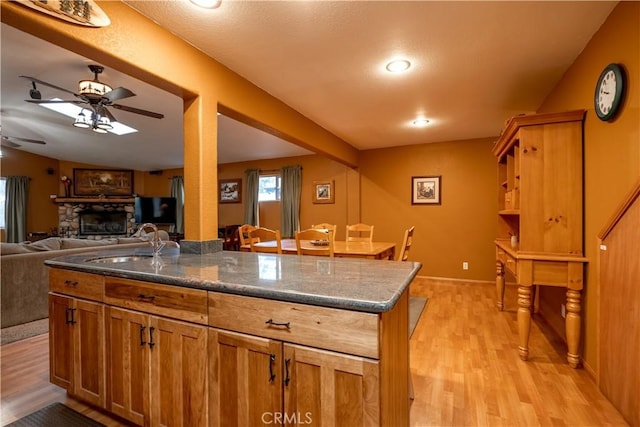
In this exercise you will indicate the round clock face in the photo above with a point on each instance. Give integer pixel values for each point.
(609, 92)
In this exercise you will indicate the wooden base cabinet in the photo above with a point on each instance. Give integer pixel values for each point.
(260, 381)
(156, 369)
(77, 347)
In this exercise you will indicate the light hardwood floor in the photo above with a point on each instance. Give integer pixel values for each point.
(464, 363)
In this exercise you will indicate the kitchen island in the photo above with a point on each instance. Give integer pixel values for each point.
(233, 338)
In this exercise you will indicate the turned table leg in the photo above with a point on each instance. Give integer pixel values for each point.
(572, 325)
(500, 285)
(524, 320)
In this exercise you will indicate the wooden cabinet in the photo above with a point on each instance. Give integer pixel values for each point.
(77, 347)
(285, 384)
(158, 354)
(156, 369)
(292, 364)
(540, 214)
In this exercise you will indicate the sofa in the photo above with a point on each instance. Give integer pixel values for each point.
(24, 278)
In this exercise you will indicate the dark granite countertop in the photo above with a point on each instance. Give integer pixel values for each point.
(349, 283)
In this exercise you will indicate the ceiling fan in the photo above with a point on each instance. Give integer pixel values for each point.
(8, 141)
(94, 96)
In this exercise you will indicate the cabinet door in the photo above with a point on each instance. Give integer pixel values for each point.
(245, 379)
(88, 348)
(128, 364)
(330, 389)
(178, 387)
(60, 341)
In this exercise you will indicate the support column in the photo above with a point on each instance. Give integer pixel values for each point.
(572, 325)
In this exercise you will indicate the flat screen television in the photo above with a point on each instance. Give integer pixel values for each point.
(157, 210)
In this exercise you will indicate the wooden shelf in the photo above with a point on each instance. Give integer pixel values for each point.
(93, 200)
(509, 212)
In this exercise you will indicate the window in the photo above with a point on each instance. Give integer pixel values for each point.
(3, 186)
(269, 188)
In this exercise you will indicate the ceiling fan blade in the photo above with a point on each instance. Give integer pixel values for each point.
(7, 143)
(106, 113)
(138, 111)
(119, 93)
(62, 101)
(34, 141)
(33, 79)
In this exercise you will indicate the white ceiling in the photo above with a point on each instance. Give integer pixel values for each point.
(475, 64)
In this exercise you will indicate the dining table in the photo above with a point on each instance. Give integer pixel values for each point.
(341, 248)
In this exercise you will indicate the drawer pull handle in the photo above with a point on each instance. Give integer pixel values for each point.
(71, 283)
(148, 298)
(272, 360)
(272, 323)
(142, 341)
(151, 343)
(286, 367)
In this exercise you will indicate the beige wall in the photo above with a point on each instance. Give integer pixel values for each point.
(611, 149)
(314, 168)
(461, 229)
(42, 213)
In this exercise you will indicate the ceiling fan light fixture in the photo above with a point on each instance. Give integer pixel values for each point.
(93, 87)
(104, 123)
(82, 121)
(96, 129)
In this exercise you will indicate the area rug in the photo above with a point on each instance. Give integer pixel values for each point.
(26, 330)
(55, 415)
(416, 307)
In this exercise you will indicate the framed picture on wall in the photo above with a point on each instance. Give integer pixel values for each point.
(323, 192)
(425, 190)
(230, 190)
(102, 182)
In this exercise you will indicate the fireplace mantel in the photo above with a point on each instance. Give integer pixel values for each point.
(93, 200)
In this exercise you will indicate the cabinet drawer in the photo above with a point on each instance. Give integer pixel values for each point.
(171, 301)
(345, 331)
(74, 283)
(508, 261)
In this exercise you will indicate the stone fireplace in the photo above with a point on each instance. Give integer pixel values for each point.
(95, 220)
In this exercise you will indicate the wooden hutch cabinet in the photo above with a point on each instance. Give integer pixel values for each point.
(540, 215)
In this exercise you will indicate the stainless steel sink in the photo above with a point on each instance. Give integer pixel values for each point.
(119, 258)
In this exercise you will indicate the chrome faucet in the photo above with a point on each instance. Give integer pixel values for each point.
(157, 244)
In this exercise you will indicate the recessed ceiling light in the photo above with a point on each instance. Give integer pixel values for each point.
(207, 4)
(420, 122)
(398, 65)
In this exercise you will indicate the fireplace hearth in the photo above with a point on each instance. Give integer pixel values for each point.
(95, 219)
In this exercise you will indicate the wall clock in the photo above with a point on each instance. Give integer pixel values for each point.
(610, 90)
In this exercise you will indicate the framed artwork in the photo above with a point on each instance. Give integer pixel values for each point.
(230, 190)
(102, 182)
(323, 192)
(425, 190)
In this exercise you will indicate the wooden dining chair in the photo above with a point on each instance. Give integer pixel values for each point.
(231, 237)
(359, 233)
(326, 226)
(262, 234)
(312, 234)
(406, 244)
(243, 233)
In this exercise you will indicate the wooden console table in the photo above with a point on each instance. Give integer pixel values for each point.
(540, 207)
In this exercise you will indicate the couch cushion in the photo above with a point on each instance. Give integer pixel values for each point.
(86, 243)
(48, 244)
(13, 248)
